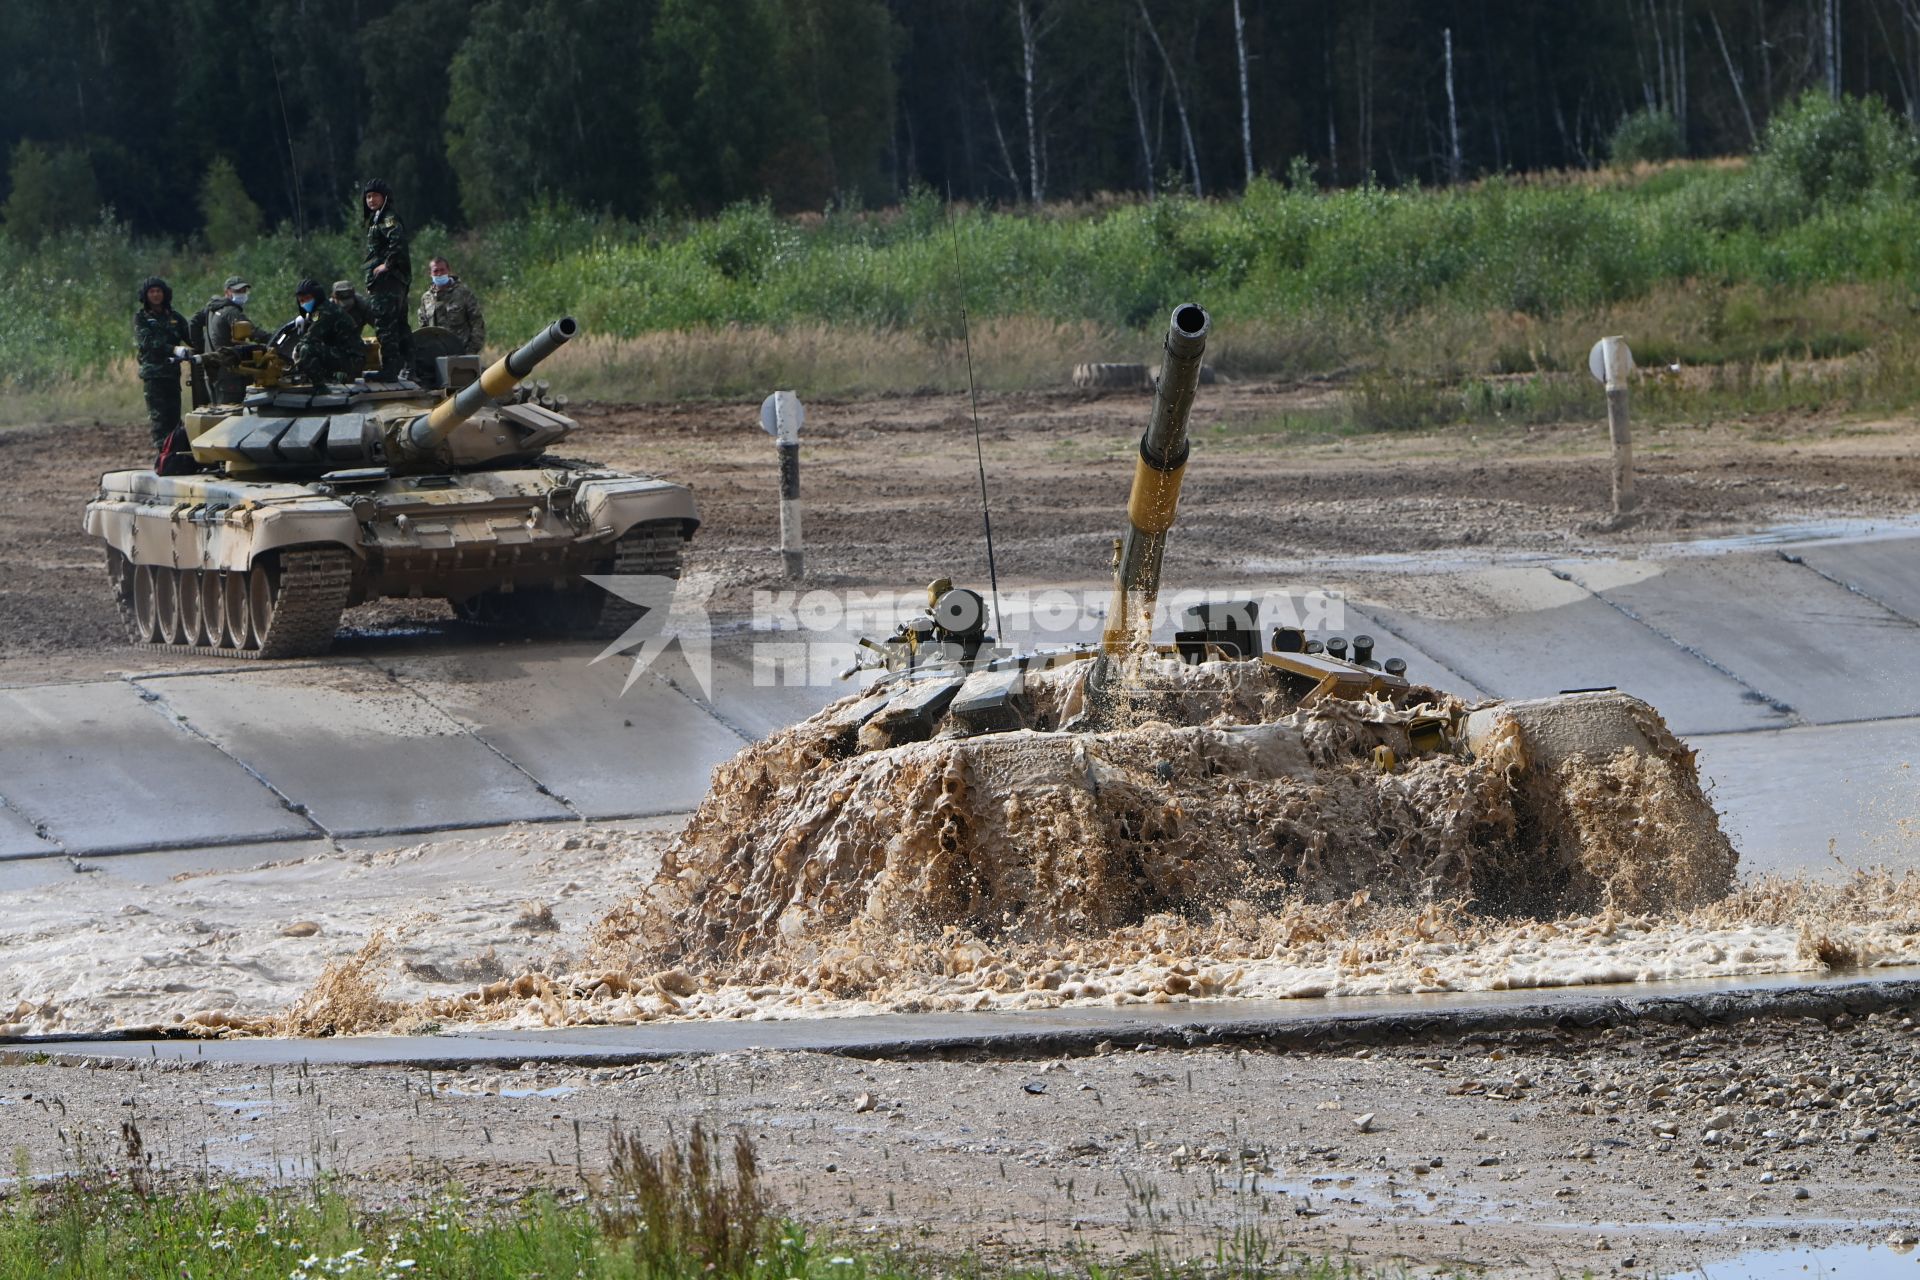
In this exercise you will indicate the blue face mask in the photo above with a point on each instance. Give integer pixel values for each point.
(443, 281)
(308, 304)
(241, 297)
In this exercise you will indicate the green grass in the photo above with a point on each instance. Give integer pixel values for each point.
(696, 1208)
(1417, 298)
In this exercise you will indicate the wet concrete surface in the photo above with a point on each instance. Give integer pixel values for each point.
(1812, 649)
(101, 766)
(1530, 633)
(1075, 1029)
(1786, 663)
(1842, 796)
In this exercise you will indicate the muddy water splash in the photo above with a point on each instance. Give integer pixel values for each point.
(1221, 797)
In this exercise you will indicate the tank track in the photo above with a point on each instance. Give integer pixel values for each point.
(306, 599)
(652, 550)
(585, 611)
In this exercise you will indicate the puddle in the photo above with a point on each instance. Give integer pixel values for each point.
(551, 1091)
(1780, 535)
(1854, 1261)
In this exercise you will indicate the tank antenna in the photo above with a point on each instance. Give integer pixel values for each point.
(973, 398)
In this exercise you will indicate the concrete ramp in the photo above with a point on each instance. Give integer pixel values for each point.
(1790, 667)
(1813, 649)
(100, 768)
(564, 722)
(1529, 633)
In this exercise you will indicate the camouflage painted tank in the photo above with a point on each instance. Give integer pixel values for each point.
(317, 498)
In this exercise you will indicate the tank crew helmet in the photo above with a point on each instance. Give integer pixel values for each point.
(308, 288)
(378, 185)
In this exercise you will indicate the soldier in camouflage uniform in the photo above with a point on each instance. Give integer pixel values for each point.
(329, 347)
(450, 305)
(222, 312)
(389, 279)
(160, 339)
(352, 303)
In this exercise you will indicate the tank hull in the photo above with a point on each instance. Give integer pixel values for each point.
(466, 536)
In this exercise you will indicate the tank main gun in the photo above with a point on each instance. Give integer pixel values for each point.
(427, 433)
(292, 429)
(1156, 484)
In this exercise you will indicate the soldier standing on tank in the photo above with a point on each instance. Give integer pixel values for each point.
(389, 279)
(160, 340)
(448, 304)
(222, 312)
(352, 303)
(328, 348)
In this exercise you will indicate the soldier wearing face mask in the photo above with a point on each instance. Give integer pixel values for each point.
(329, 347)
(216, 332)
(448, 304)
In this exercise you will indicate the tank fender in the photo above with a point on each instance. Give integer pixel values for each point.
(194, 535)
(609, 507)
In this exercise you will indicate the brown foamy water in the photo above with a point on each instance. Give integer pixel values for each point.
(1225, 845)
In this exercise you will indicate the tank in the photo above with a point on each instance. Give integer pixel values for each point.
(312, 499)
(1600, 799)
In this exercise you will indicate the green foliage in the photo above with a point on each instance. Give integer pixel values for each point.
(48, 192)
(1841, 150)
(719, 108)
(406, 101)
(231, 218)
(1646, 137)
(1298, 280)
(541, 96)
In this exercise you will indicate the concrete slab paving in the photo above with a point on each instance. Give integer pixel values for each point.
(566, 721)
(20, 837)
(764, 681)
(1524, 633)
(1887, 569)
(158, 866)
(361, 751)
(105, 772)
(1819, 796)
(1052, 1031)
(1788, 634)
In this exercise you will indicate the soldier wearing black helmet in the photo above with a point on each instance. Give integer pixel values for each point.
(160, 338)
(328, 348)
(389, 279)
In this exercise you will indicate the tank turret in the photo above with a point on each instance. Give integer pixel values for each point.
(286, 429)
(317, 498)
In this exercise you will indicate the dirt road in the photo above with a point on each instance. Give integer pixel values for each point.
(891, 495)
(1639, 1152)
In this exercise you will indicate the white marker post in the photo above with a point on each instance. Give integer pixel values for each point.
(1610, 363)
(781, 415)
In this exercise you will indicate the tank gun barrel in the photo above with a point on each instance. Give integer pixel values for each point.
(428, 430)
(1156, 483)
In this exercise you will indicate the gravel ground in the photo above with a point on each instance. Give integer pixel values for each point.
(1630, 1151)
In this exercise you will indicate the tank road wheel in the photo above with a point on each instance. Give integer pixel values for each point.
(259, 602)
(213, 607)
(146, 605)
(166, 605)
(234, 585)
(193, 618)
(303, 601)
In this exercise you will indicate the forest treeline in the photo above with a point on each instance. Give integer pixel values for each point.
(212, 119)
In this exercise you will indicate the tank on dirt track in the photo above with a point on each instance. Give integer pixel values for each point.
(312, 499)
